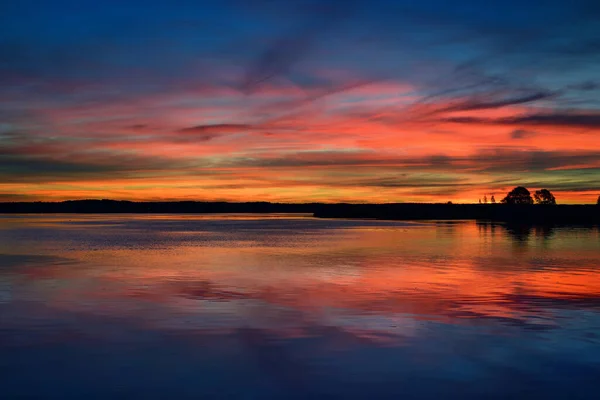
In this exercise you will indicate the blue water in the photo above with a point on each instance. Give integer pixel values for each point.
(283, 306)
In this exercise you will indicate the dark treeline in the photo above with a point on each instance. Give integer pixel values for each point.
(170, 207)
(526, 213)
(580, 214)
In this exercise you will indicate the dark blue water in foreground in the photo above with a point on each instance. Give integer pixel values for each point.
(171, 307)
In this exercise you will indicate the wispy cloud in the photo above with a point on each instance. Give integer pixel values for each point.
(484, 104)
(557, 119)
(522, 134)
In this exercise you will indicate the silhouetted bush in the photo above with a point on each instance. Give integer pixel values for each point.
(544, 196)
(518, 195)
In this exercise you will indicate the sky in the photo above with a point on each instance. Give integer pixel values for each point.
(299, 100)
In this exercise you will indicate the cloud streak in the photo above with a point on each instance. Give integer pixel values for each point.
(474, 104)
(570, 120)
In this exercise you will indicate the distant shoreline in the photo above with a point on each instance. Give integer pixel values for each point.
(152, 207)
(545, 214)
(527, 214)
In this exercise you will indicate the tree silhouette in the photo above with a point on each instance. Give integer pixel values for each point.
(518, 195)
(493, 200)
(598, 202)
(484, 199)
(544, 196)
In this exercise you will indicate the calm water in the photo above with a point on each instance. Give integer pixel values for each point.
(196, 307)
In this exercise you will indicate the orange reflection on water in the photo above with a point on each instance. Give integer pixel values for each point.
(246, 269)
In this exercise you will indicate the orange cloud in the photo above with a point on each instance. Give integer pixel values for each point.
(358, 140)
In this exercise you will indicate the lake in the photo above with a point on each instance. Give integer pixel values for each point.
(289, 306)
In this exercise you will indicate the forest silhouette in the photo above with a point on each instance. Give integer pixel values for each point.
(518, 206)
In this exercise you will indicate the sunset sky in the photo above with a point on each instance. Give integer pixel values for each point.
(299, 100)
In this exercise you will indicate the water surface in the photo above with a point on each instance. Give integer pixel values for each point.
(283, 306)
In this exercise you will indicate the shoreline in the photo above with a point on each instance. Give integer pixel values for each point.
(587, 214)
(538, 214)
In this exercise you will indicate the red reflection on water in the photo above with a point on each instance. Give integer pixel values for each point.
(363, 280)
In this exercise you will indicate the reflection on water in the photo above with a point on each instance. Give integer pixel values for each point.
(290, 306)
